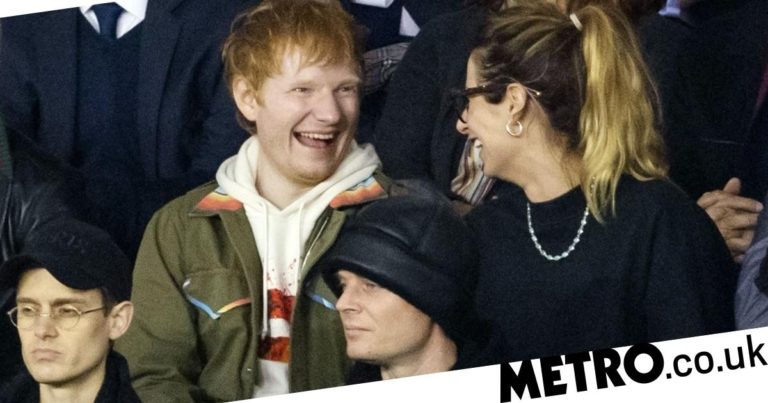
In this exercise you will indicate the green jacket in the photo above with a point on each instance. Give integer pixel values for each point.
(198, 301)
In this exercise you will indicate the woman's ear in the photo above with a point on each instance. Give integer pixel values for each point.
(119, 319)
(245, 98)
(517, 98)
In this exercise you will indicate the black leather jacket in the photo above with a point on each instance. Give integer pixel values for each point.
(40, 190)
(34, 189)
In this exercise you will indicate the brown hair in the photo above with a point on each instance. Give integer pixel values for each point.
(260, 37)
(595, 88)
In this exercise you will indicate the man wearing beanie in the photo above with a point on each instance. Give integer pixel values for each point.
(72, 288)
(403, 270)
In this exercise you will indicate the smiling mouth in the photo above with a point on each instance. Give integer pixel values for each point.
(316, 139)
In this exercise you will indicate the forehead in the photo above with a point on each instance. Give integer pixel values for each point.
(296, 66)
(39, 285)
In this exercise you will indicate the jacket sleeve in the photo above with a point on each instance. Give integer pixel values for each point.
(691, 278)
(751, 301)
(161, 344)
(42, 190)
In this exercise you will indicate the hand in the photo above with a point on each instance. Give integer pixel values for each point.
(734, 215)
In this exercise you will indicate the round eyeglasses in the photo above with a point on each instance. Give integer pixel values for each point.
(64, 317)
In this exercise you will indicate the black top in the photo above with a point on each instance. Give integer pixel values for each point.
(658, 270)
(115, 389)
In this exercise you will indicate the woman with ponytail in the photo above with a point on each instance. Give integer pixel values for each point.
(586, 243)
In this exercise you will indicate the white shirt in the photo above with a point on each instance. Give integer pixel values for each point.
(134, 13)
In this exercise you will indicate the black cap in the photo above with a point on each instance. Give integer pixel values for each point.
(77, 254)
(418, 248)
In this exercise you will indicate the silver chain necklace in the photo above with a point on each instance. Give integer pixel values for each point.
(570, 248)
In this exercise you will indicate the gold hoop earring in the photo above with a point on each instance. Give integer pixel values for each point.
(516, 130)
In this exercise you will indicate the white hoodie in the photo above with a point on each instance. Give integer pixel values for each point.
(281, 236)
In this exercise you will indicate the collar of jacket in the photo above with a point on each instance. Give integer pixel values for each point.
(219, 201)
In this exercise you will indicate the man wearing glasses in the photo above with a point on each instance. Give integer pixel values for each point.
(72, 301)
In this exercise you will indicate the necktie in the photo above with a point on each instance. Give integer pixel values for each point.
(107, 14)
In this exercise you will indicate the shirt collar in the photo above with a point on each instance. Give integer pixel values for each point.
(137, 8)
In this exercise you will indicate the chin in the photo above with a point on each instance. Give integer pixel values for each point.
(314, 175)
(48, 376)
(359, 354)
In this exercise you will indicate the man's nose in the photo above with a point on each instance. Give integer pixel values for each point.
(327, 108)
(347, 301)
(45, 326)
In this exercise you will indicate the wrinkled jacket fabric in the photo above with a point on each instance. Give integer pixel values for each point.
(197, 293)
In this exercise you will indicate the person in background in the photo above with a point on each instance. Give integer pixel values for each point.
(404, 270)
(415, 135)
(228, 304)
(716, 129)
(130, 94)
(389, 26)
(72, 288)
(587, 244)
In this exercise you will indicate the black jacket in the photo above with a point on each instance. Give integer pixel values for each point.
(711, 125)
(115, 389)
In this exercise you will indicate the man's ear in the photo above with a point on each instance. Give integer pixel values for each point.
(119, 319)
(245, 98)
(517, 98)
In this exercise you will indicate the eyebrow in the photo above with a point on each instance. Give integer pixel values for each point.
(55, 302)
(312, 82)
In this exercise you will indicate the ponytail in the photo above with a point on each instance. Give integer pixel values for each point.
(616, 122)
(595, 88)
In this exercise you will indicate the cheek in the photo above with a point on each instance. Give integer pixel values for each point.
(409, 329)
(282, 118)
(350, 107)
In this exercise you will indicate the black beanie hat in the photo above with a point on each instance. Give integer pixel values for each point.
(418, 248)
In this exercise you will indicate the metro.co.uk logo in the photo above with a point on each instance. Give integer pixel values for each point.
(600, 369)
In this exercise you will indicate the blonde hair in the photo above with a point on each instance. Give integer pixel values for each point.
(595, 89)
(260, 37)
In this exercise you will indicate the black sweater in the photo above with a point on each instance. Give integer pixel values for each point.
(658, 270)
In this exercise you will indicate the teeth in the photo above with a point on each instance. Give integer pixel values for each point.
(317, 136)
(478, 144)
